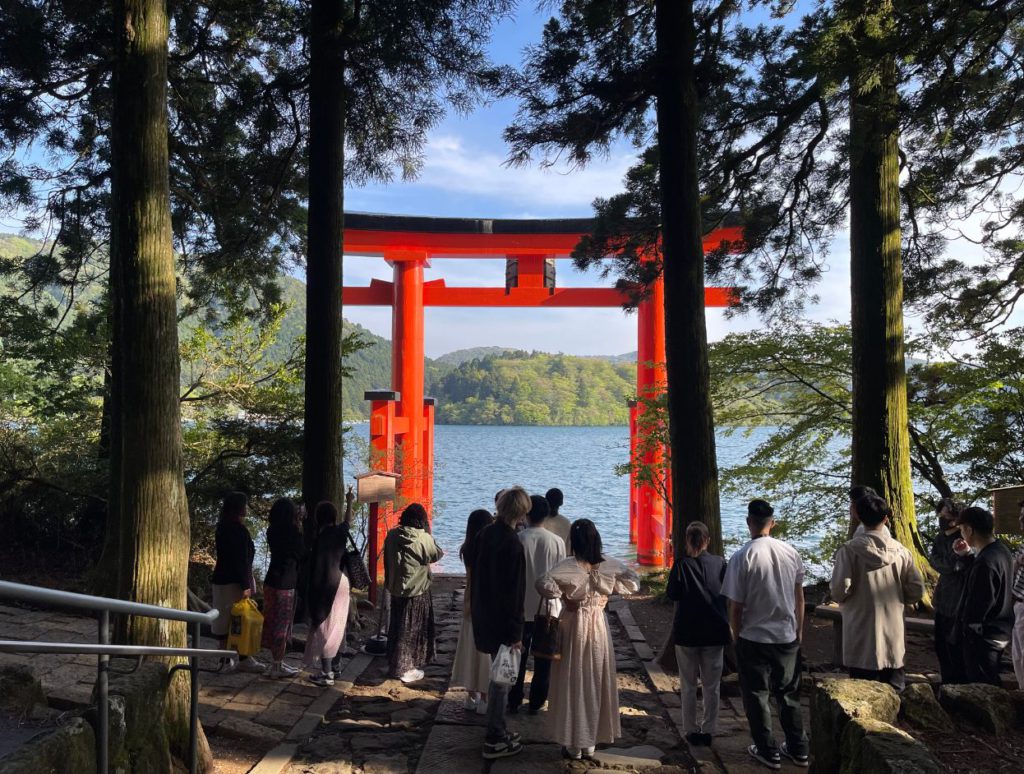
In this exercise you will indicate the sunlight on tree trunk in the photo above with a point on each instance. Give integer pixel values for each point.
(322, 459)
(149, 490)
(881, 440)
(691, 420)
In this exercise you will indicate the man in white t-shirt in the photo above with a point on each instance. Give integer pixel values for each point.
(764, 584)
(542, 550)
(556, 522)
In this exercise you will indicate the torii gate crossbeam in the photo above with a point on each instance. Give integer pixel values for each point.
(402, 419)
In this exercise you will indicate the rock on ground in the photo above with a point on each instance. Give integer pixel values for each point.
(873, 747)
(834, 703)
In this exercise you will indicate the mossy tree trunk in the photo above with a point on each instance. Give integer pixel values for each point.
(691, 419)
(881, 437)
(322, 456)
(147, 486)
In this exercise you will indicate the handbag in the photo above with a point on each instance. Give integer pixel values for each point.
(547, 635)
(354, 566)
(505, 667)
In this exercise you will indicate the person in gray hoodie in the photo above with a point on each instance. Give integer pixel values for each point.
(409, 550)
(874, 578)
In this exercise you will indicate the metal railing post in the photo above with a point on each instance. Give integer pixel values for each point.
(103, 694)
(193, 729)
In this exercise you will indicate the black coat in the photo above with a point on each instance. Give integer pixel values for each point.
(695, 585)
(325, 568)
(986, 606)
(235, 551)
(498, 578)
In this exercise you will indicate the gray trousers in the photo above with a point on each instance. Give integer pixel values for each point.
(704, 663)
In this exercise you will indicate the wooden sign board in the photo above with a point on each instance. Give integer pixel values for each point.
(376, 486)
(1005, 510)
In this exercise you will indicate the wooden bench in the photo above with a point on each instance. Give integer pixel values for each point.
(833, 613)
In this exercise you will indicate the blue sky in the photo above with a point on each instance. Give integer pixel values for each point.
(464, 174)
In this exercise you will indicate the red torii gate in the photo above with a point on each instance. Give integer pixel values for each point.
(402, 419)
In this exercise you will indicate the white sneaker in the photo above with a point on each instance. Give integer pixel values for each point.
(282, 670)
(481, 707)
(412, 676)
(228, 666)
(251, 664)
(470, 704)
(323, 679)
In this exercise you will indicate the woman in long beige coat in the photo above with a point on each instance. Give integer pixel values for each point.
(584, 691)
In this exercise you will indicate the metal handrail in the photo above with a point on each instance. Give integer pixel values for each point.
(45, 596)
(103, 650)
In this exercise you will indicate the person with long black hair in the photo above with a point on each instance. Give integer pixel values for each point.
(232, 578)
(328, 595)
(472, 669)
(584, 701)
(287, 550)
(409, 550)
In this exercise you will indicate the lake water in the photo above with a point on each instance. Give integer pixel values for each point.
(472, 462)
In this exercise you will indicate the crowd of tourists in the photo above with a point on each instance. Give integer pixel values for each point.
(528, 564)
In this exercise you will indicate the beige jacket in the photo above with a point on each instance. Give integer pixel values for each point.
(873, 579)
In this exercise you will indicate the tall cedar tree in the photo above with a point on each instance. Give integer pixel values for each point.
(322, 454)
(880, 435)
(149, 489)
(691, 422)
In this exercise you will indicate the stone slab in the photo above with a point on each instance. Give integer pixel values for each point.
(277, 760)
(643, 757)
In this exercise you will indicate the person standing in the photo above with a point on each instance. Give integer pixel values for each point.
(556, 522)
(499, 572)
(409, 550)
(873, 578)
(232, 578)
(984, 619)
(1017, 649)
(764, 583)
(952, 569)
(287, 550)
(327, 598)
(471, 668)
(700, 631)
(542, 550)
(584, 692)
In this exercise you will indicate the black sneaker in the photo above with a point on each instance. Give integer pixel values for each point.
(799, 760)
(705, 739)
(694, 739)
(769, 758)
(506, 747)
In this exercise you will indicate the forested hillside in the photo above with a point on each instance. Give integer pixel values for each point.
(518, 388)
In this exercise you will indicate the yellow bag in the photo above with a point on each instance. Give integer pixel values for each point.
(246, 627)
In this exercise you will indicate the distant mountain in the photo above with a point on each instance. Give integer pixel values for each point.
(460, 356)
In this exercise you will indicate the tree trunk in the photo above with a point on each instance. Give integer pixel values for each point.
(881, 438)
(691, 421)
(322, 457)
(150, 491)
(104, 578)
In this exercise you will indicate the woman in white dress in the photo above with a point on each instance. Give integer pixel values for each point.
(472, 669)
(584, 690)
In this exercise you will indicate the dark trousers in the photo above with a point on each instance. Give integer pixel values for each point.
(980, 661)
(951, 660)
(541, 676)
(772, 670)
(895, 677)
(497, 696)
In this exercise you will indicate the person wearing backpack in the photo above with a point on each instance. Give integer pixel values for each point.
(700, 631)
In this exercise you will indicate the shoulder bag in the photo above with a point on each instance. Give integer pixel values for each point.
(547, 634)
(354, 566)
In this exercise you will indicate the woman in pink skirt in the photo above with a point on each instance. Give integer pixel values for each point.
(328, 596)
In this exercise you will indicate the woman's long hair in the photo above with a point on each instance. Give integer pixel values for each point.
(585, 541)
(234, 507)
(281, 518)
(326, 514)
(478, 519)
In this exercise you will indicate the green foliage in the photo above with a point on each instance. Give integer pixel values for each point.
(535, 389)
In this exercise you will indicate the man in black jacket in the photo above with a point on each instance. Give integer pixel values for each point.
(497, 607)
(985, 614)
(952, 569)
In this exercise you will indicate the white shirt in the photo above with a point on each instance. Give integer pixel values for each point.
(762, 576)
(542, 550)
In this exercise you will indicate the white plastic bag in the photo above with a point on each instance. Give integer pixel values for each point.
(505, 667)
